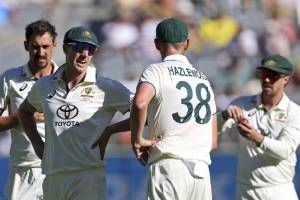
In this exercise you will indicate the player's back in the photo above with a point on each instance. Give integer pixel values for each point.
(181, 110)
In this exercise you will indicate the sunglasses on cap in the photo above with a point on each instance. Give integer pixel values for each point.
(271, 75)
(79, 47)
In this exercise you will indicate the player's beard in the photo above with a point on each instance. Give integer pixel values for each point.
(270, 91)
(40, 62)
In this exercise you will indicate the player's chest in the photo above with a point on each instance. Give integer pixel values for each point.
(269, 123)
(18, 91)
(67, 104)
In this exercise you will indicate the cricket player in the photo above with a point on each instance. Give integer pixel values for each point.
(268, 126)
(178, 103)
(78, 105)
(25, 177)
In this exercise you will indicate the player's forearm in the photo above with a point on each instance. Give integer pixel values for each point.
(138, 117)
(220, 121)
(214, 133)
(8, 122)
(119, 127)
(110, 130)
(28, 123)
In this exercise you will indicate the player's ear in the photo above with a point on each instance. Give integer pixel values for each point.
(65, 48)
(156, 42)
(26, 45)
(286, 80)
(187, 44)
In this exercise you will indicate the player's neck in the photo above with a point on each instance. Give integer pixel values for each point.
(41, 72)
(168, 50)
(72, 79)
(271, 101)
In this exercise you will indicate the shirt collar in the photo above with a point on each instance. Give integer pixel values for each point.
(90, 76)
(177, 57)
(28, 74)
(284, 102)
(282, 105)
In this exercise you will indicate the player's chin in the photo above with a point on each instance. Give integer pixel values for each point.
(80, 68)
(41, 65)
(267, 90)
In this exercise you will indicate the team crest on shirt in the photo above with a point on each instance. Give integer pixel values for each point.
(280, 116)
(87, 93)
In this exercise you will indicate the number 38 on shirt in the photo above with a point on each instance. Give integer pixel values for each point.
(203, 103)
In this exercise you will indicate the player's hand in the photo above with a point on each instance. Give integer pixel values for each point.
(249, 132)
(233, 112)
(39, 117)
(102, 142)
(142, 150)
(142, 153)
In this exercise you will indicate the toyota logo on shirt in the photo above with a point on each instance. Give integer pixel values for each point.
(67, 111)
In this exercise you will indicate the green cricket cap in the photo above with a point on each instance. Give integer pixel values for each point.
(81, 34)
(277, 63)
(171, 31)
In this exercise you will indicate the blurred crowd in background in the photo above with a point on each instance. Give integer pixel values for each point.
(228, 38)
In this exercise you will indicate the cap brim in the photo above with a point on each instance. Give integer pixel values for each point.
(90, 42)
(87, 41)
(270, 68)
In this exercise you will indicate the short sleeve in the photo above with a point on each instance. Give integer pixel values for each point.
(120, 97)
(151, 75)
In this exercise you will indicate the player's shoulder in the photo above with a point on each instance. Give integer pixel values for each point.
(294, 107)
(109, 84)
(45, 82)
(293, 111)
(105, 81)
(52, 77)
(14, 72)
(245, 100)
(155, 66)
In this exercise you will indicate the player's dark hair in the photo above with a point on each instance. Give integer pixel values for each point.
(40, 27)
